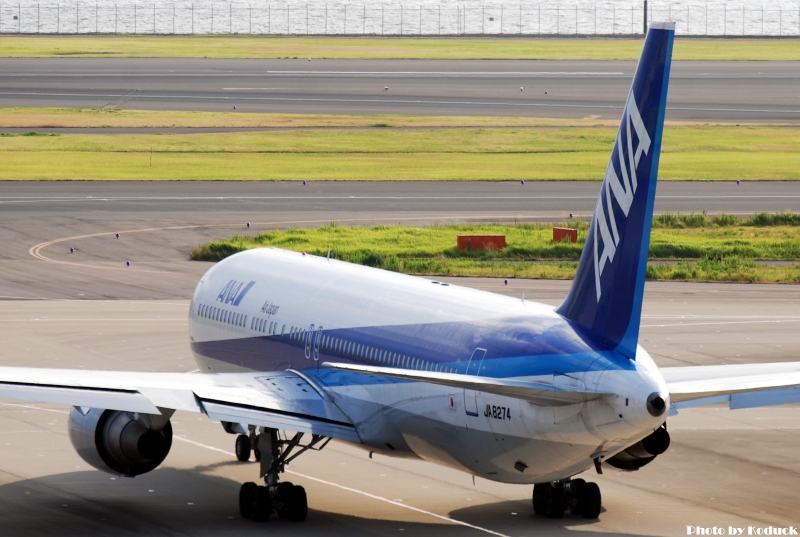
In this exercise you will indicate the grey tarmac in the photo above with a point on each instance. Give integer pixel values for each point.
(87, 310)
(699, 90)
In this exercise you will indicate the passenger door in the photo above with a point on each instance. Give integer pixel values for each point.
(475, 368)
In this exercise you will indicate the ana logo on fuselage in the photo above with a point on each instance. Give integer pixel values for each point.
(621, 189)
(234, 292)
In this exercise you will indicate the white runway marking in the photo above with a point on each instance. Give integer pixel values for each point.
(721, 323)
(63, 199)
(361, 492)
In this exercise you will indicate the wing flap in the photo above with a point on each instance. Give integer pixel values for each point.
(537, 393)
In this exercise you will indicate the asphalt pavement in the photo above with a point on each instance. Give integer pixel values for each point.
(699, 90)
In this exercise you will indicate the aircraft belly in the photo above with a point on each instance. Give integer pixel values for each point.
(430, 422)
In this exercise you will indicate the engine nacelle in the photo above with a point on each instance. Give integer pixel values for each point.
(642, 452)
(120, 443)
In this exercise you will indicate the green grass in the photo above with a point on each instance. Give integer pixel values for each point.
(302, 48)
(725, 250)
(33, 118)
(690, 152)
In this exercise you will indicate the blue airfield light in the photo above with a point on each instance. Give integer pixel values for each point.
(522, 182)
(570, 215)
(248, 224)
(72, 250)
(117, 235)
(505, 282)
(127, 263)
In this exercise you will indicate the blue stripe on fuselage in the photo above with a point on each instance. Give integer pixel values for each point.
(514, 347)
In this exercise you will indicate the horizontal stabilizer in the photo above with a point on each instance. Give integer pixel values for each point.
(740, 385)
(535, 392)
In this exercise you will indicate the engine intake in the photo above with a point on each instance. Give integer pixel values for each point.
(120, 443)
(642, 452)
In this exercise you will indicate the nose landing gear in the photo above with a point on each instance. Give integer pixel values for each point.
(289, 501)
(553, 499)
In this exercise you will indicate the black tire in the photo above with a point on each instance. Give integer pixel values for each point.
(246, 499)
(281, 498)
(262, 504)
(538, 498)
(242, 448)
(591, 501)
(554, 502)
(575, 502)
(296, 504)
(256, 451)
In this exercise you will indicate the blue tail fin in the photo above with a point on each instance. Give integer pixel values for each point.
(606, 296)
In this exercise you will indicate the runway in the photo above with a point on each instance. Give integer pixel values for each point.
(87, 310)
(701, 91)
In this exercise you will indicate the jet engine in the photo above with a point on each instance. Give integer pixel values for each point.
(642, 452)
(120, 443)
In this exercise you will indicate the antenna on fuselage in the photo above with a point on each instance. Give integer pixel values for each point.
(523, 297)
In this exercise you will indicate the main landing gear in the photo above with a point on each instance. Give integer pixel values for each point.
(273, 452)
(580, 497)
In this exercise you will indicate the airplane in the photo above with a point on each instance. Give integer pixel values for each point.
(498, 387)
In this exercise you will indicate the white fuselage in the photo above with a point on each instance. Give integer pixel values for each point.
(269, 309)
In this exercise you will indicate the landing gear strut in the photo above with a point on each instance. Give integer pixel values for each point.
(553, 499)
(287, 500)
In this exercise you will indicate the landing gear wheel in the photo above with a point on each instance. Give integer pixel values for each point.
(262, 504)
(554, 502)
(246, 499)
(590, 500)
(574, 498)
(538, 498)
(256, 451)
(282, 498)
(243, 448)
(296, 504)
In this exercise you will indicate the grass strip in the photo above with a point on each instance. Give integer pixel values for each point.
(35, 118)
(699, 248)
(302, 48)
(716, 152)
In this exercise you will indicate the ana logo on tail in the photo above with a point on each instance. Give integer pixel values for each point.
(621, 188)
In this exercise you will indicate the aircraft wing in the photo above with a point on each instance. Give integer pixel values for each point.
(538, 393)
(742, 386)
(282, 400)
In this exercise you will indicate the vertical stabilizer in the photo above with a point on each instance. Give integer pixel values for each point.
(606, 296)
